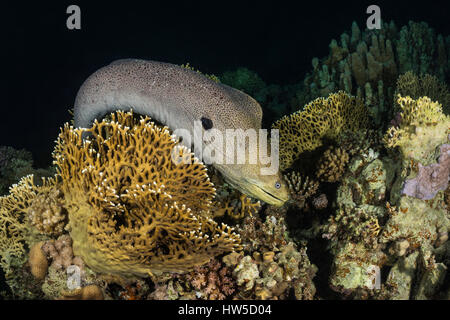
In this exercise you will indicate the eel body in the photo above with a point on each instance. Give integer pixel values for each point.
(177, 97)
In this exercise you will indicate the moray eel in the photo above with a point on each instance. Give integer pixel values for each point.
(176, 97)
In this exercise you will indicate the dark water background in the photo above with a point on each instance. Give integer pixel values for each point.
(44, 63)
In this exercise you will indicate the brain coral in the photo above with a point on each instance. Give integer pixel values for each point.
(322, 118)
(132, 210)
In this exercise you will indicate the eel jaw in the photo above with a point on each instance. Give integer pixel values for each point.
(251, 188)
(270, 198)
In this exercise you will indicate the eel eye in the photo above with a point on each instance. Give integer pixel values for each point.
(277, 185)
(206, 123)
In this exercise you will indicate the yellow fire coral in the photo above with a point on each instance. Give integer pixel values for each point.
(132, 209)
(236, 207)
(415, 86)
(423, 126)
(322, 118)
(16, 230)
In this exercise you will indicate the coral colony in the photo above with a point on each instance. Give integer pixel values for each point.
(364, 154)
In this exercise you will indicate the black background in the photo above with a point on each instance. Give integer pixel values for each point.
(44, 63)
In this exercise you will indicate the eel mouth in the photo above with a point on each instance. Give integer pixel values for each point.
(271, 198)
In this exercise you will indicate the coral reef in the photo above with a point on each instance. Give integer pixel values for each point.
(46, 212)
(212, 281)
(367, 63)
(235, 206)
(273, 275)
(321, 119)
(332, 164)
(430, 179)
(132, 210)
(409, 84)
(38, 261)
(60, 253)
(16, 229)
(423, 127)
(301, 188)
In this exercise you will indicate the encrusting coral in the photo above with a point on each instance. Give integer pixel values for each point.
(132, 209)
(430, 179)
(321, 119)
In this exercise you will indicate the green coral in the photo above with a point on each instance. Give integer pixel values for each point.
(366, 63)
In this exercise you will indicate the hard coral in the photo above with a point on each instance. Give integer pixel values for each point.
(16, 230)
(132, 210)
(38, 262)
(90, 292)
(332, 164)
(46, 212)
(301, 188)
(321, 119)
(415, 87)
(423, 127)
(236, 206)
(366, 63)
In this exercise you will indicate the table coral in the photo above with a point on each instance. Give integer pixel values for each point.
(320, 119)
(132, 210)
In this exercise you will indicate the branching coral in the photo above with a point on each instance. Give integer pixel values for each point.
(61, 254)
(427, 85)
(301, 188)
(321, 119)
(235, 207)
(16, 230)
(46, 212)
(332, 164)
(132, 210)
